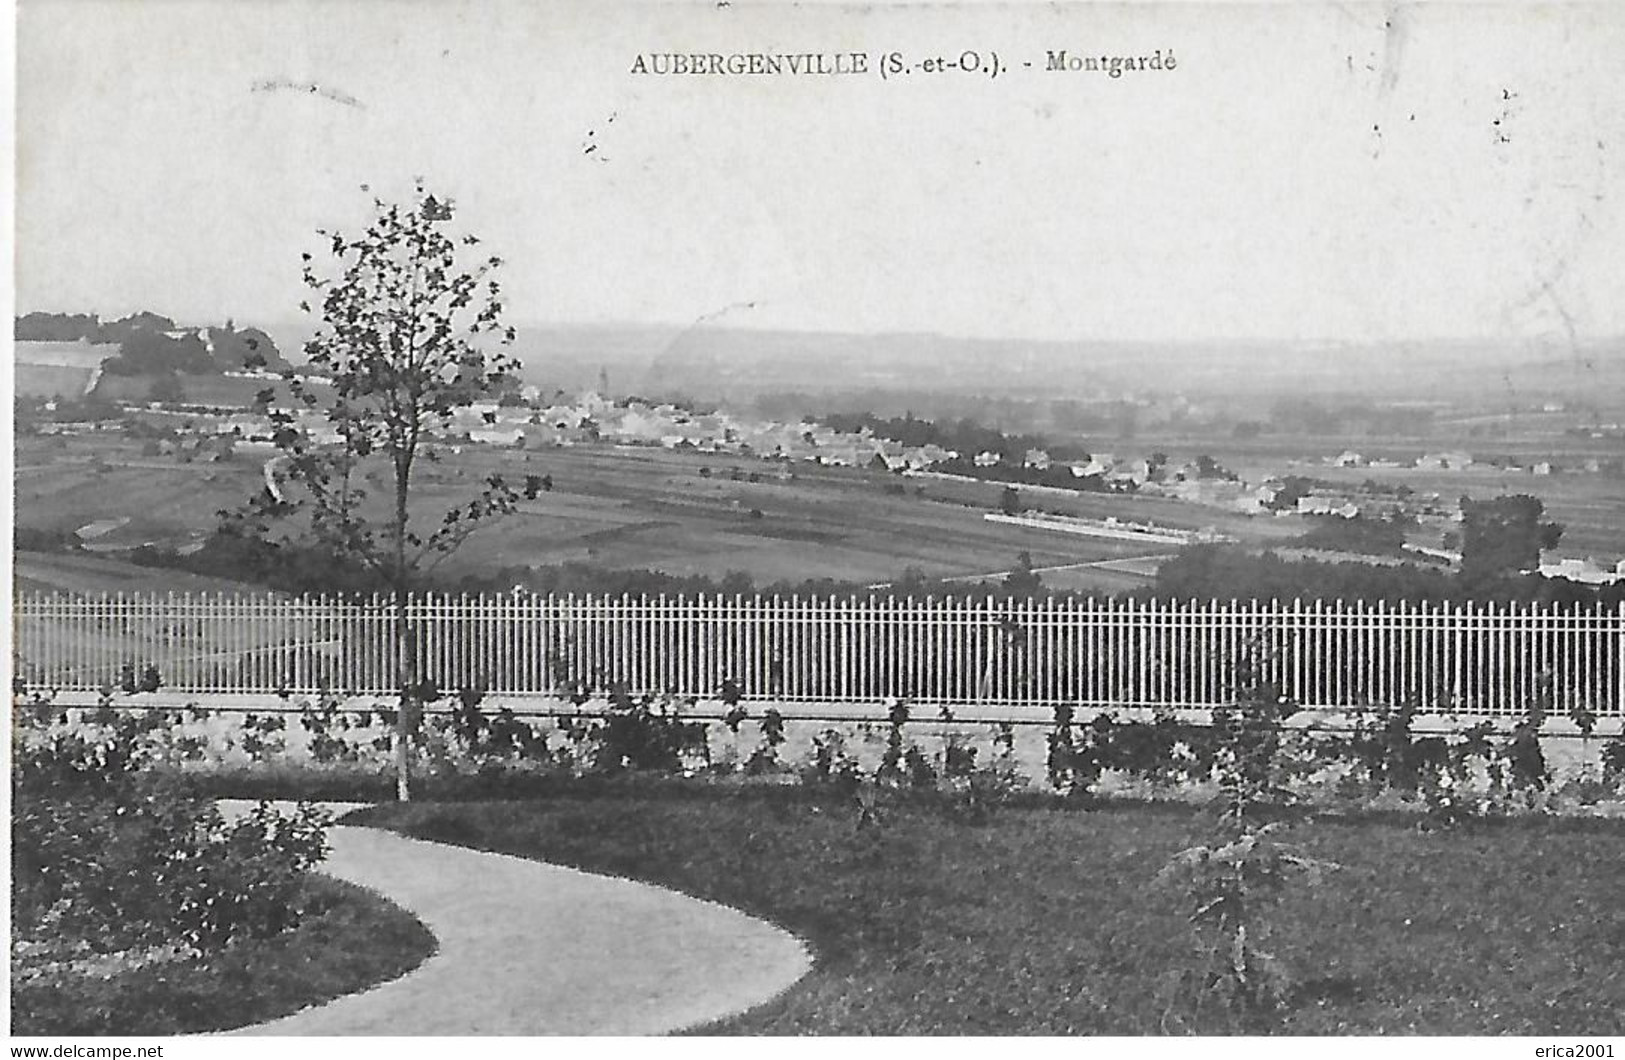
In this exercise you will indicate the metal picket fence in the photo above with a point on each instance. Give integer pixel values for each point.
(1474, 658)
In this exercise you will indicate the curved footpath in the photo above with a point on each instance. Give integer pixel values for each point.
(527, 948)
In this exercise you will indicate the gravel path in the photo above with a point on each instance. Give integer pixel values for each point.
(532, 949)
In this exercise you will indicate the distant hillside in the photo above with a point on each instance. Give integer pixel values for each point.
(736, 363)
(731, 364)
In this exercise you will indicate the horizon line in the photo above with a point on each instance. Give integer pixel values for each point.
(704, 324)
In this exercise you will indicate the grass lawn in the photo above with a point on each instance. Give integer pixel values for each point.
(1045, 920)
(350, 939)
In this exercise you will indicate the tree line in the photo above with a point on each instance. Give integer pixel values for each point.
(153, 344)
(964, 436)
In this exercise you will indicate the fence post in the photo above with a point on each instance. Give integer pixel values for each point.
(1619, 660)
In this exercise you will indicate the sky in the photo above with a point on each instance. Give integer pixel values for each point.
(1343, 172)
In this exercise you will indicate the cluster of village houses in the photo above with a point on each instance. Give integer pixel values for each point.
(1455, 461)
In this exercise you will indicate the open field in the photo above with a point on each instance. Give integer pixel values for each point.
(651, 508)
(206, 389)
(64, 483)
(1046, 921)
(75, 573)
(56, 369)
(48, 381)
(622, 508)
(76, 354)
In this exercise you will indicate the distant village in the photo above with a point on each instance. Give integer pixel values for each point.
(57, 374)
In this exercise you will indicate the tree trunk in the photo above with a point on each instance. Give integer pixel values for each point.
(405, 657)
(406, 679)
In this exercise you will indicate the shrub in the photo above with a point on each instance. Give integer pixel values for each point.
(1516, 767)
(1229, 886)
(1063, 763)
(109, 855)
(506, 736)
(1252, 769)
(262, 736)
(903, 764)
(646, 732)
(1383, 750)
(832, 764)
(468, 721)
(977, 791)
(765, 759)
(1613, 762)
(322, 720)
(958, 758)
(1229, 883)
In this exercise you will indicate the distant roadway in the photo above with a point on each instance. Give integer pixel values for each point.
(1106, 564)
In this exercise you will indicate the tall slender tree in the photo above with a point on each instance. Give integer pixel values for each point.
(408, 331)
